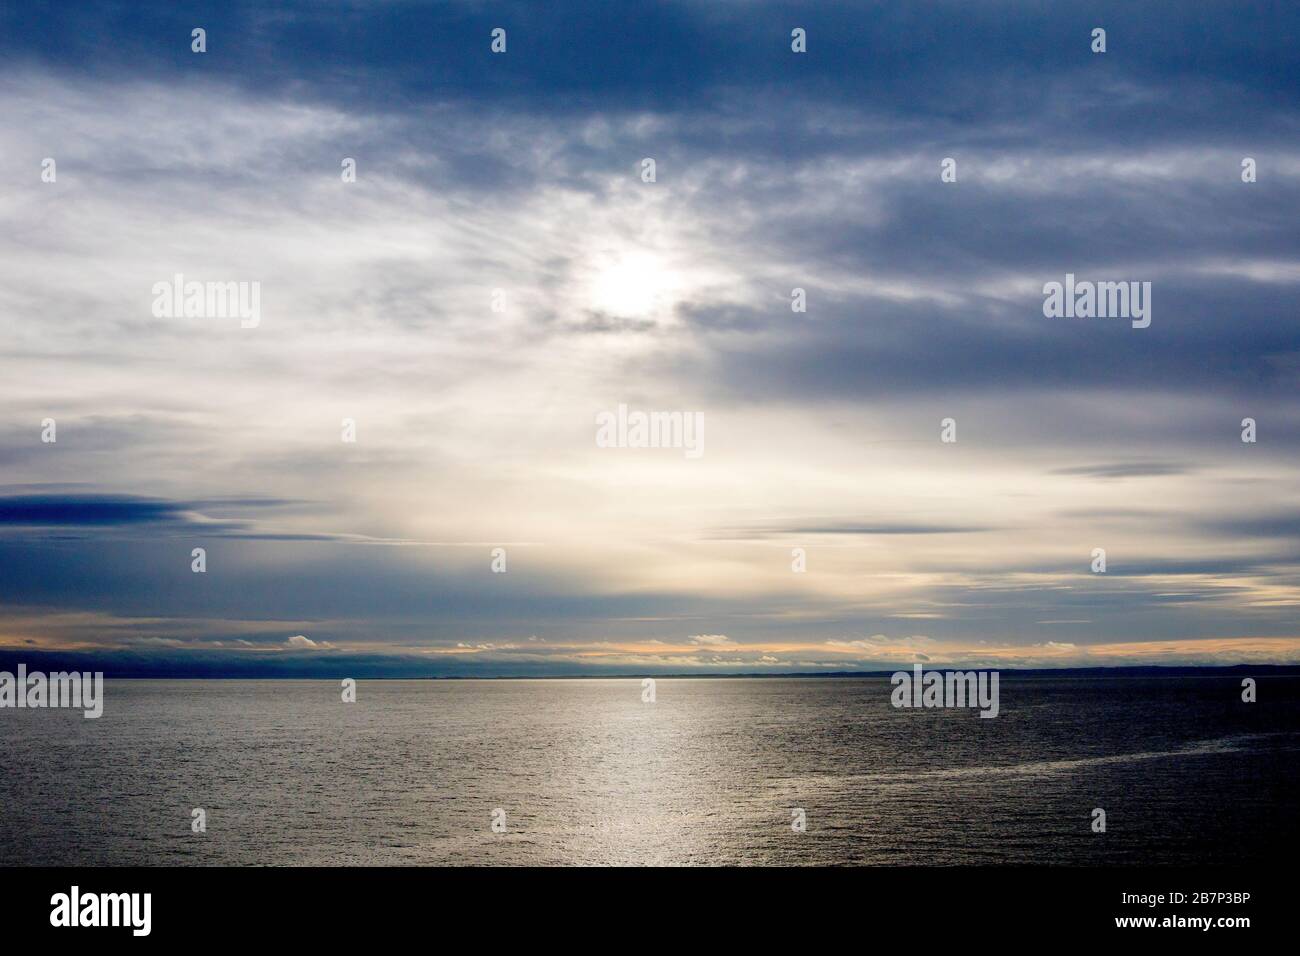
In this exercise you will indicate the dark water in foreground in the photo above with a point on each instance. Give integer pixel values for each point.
(708, 774)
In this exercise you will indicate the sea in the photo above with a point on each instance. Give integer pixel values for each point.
(729, 771)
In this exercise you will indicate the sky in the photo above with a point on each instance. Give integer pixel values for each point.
(501, 273)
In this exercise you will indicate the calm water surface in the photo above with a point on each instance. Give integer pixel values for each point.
(708, 774)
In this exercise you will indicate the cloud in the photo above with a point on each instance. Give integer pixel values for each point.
(847, 528)
(83, 510)
(302, 641)
(1126, 469)
(712, 640)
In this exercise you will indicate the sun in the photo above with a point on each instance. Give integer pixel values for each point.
(632, 286)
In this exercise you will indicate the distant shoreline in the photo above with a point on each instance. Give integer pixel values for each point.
(1139, 671)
